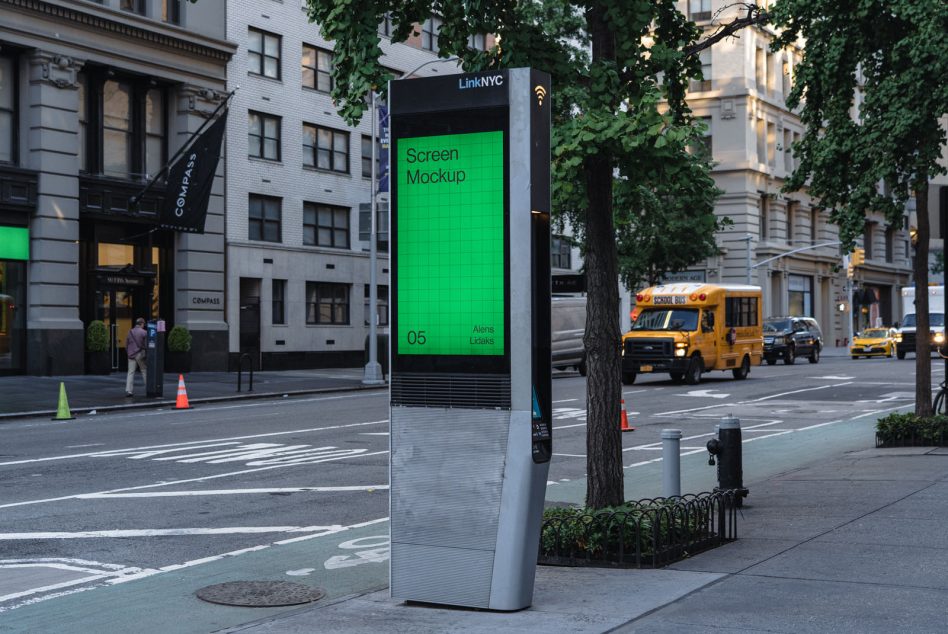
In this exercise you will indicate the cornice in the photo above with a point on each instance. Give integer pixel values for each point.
(154, 33)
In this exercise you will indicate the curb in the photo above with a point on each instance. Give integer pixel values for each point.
(105, 409)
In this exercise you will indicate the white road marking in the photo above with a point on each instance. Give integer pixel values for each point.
(172, 494)
(302, 572)
(194, 442)
(565, 400)
(571, 455)
(374, 433)
(568, 426)
(163, 532)
(833, 378)
(49, 588)
(377, 550)
(91, 444)
(706, 394)
(755, 400)
(174, 482)
(634, 392)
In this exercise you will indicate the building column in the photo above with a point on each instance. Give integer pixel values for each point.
(55, 335)
(199, 258)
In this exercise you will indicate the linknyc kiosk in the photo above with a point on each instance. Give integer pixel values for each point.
(470, 345)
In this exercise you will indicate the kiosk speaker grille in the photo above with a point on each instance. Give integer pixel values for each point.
(476, 391)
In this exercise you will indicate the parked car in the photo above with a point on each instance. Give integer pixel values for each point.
(568, 316)
(873, 342)
(790, 337)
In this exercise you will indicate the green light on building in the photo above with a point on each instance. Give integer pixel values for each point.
(14, 243)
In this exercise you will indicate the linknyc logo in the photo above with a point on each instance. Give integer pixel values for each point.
(480, 82)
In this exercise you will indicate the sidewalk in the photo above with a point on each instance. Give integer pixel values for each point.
(853, 543)
(38, 395)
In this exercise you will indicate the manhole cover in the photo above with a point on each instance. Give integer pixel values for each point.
(260, 594)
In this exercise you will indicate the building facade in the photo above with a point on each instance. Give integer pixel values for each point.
(750, 135)
(297, 263)
(95, 98)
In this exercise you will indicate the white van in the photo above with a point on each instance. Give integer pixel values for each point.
(568, 316)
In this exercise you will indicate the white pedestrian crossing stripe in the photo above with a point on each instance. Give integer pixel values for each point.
(251, 454)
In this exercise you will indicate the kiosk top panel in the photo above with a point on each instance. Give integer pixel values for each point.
(452, 92)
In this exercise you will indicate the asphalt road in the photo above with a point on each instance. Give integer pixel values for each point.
(134, 505)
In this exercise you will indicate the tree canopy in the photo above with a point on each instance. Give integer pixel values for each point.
(871, 90)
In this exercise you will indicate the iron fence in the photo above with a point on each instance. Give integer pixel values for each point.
(648, 533)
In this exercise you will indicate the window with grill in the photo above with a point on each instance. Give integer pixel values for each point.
(327, 303)
(171, 11)
(263, 136)
(326, 226)
(560, 253)
(367, 156)
(740, 311)
(317, 68)
(381, 305)
(429, 34)
(133, 6)
(8, 110)
(699, 9)
(264, 218)
(278, 302)
(263, 53)
(325, 148)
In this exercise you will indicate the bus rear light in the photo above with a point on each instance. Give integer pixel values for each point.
(639, 297)
(702, 297)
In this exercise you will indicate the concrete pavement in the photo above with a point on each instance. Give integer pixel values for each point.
(853, 543)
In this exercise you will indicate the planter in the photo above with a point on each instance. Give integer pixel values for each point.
(98, 363)
(178, 362)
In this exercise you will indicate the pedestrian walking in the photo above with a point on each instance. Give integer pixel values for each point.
(135, 349)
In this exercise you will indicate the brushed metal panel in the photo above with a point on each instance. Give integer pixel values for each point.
(453, 576)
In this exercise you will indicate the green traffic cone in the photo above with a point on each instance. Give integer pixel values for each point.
(62, 412)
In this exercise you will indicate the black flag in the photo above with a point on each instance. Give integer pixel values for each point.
(190, 180)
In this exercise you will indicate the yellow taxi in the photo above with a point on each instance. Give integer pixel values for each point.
(873, 342)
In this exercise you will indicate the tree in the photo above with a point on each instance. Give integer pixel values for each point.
(620, 70)
(895, 55)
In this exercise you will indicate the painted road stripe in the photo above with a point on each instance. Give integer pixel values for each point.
(756, 400)
(172, 494)
(175, 482)
(192, 443)
(166, 532)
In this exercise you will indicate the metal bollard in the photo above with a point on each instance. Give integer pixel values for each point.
(671, 463)
(728, 448)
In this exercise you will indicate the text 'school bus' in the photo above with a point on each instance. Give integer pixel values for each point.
(688, 329)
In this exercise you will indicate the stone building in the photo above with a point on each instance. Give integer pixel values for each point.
(95, 97)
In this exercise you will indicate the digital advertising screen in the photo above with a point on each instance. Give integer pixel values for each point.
(450, 266)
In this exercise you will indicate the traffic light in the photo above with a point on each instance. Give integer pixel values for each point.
(850, 270)
(859, 257)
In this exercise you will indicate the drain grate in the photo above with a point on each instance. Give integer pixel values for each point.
(260, 594)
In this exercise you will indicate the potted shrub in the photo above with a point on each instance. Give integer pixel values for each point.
(97, 348)
(178, 358)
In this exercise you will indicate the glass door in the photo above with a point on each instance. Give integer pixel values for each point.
(12, 316)
(115, 308)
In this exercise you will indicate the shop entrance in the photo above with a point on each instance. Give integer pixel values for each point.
(12, 316)
(118, 307)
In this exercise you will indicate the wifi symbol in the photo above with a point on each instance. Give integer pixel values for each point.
(541, 93)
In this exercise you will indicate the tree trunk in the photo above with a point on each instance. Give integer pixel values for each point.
(604, 484)
(923, 362)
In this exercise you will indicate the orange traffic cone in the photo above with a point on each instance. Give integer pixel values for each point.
(624, 418)
(182, 400)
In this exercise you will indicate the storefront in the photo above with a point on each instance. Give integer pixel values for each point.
(14, 255)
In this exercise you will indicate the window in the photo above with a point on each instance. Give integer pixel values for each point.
(326, 226)
(367, 156)
(135, 6)
(786, 79)
(7, 110)
(761, 141)
(263, 218)
(772, 75)
(317, 68)
(478, 42)
(263, 136)
(814, 224)
(381, 306)
(327, 303)
(698, 85)
(699, 9)
(740, 311)
(123, 125)
(760, 68)
(325, 148)
(705, 146)
(561, 251)
(429, 34)
(787, 151)
(772, 145)
(889, 244)
(791, 219)
(278, 302)
(942, 210)
(263, 54)
(867, 239)
(385, 26)
(763, 209)
(171, 11)
(801, 295)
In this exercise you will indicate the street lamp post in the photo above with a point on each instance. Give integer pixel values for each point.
(372, 373)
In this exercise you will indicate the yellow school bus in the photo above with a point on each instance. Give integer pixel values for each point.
(689, 329)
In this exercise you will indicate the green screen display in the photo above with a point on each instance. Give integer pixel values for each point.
(450, 258)
(14, 243)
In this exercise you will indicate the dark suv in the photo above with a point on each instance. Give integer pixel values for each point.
(790, 337)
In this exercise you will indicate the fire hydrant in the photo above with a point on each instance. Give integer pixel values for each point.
(727, 448)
